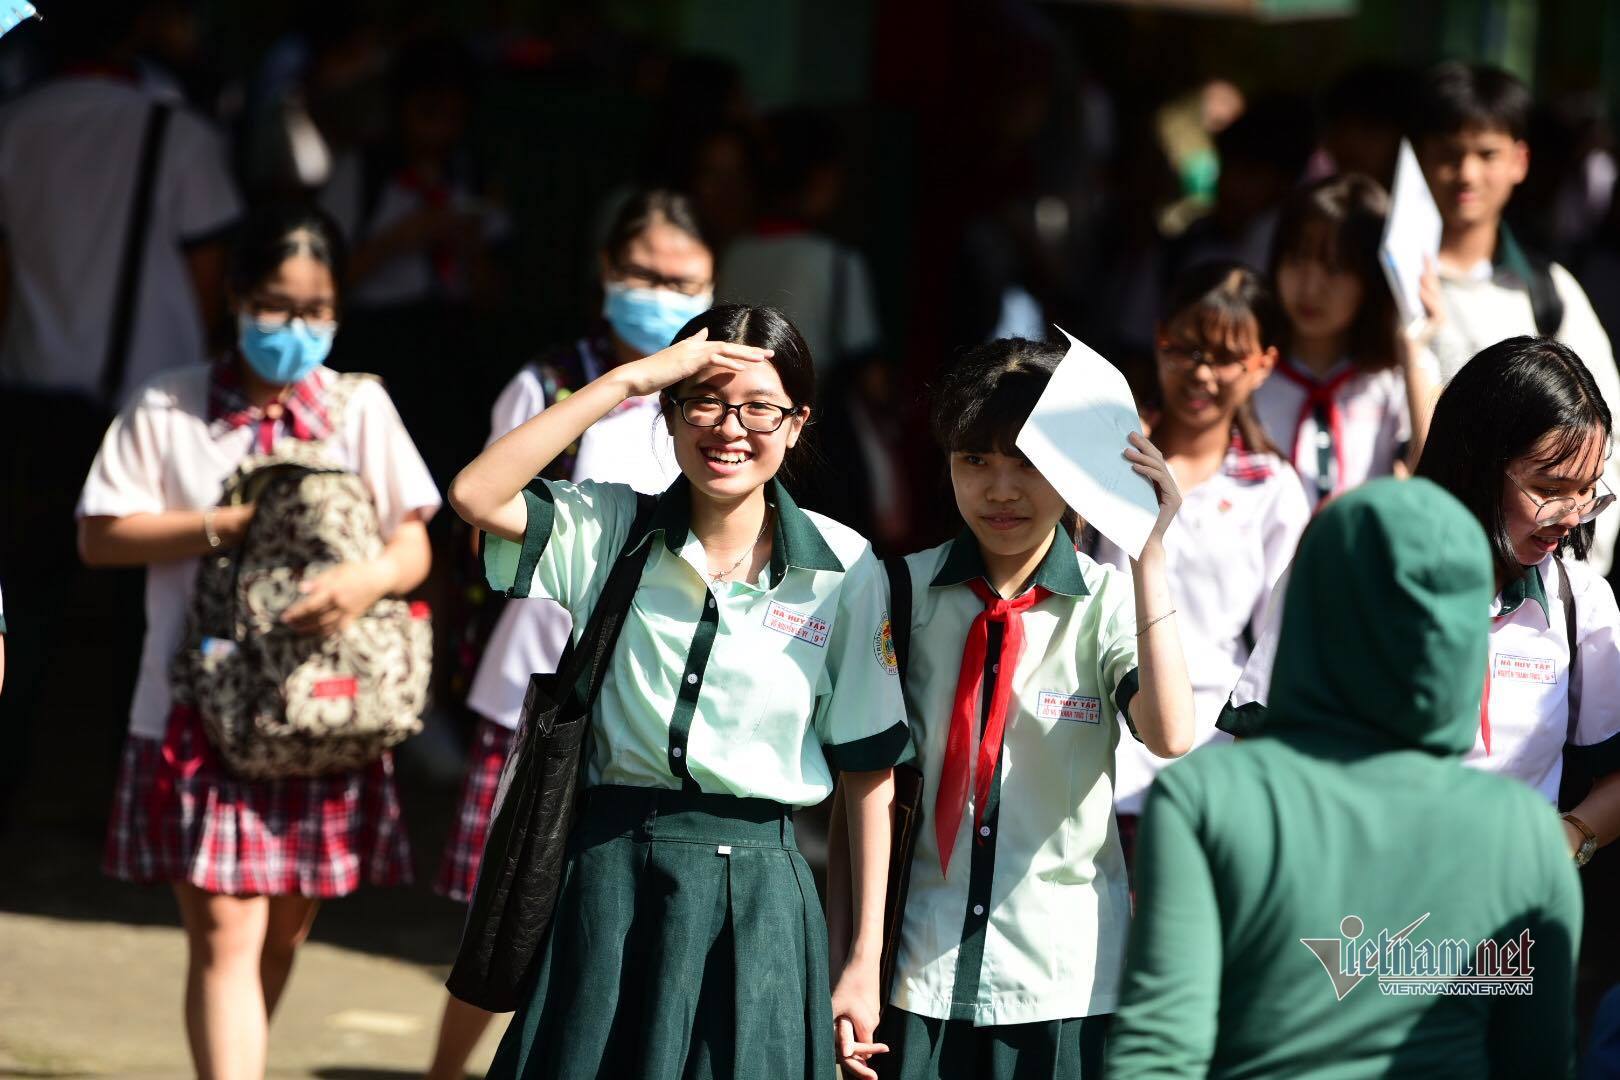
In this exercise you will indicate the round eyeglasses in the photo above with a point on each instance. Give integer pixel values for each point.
(760, 417)
(275, 316)
(1551, 510)
(1187, 359)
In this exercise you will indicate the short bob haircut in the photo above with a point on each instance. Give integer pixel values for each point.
(1339, 222)
(763, 328)
(984, 399)
(1503, 402)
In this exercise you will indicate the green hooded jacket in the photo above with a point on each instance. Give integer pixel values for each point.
(1267, 869)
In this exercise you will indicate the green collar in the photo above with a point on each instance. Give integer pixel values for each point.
(796, 541)
(1059, 571)
(1528, 586)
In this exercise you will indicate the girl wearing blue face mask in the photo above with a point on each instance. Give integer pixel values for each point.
(249, 861)
(657, 274)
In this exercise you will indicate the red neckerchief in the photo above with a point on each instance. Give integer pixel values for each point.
(951, 800)
(1323, 395)
(780, 226)
(434, 194)
(302, 413)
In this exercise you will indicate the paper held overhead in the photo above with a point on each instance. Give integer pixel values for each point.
(1411, 236)
(13, 13)
(1077, 436)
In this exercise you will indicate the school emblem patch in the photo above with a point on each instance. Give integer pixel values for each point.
(883, 647)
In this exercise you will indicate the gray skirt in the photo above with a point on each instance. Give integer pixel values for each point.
(688, 944)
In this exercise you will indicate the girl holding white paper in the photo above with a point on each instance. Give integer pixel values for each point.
(1352, 395)
(1243, 510)
(1024, 654)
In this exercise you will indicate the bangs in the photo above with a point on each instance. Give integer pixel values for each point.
(990, 424)
(1317, 238)
(1569, 444)
(1217, 321)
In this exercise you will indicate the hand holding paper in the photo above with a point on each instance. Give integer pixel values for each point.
(1411, 237)
(1077, 436)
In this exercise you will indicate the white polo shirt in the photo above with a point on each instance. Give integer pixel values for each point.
(1232, 539)
(68, 156)
(1374, 424)
(162, 453)
(630, 446)
(1525, 702)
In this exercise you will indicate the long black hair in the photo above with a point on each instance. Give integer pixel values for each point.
(763, 328)
(1499, 408)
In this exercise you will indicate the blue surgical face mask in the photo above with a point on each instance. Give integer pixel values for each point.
(285, 354)
(648, 319)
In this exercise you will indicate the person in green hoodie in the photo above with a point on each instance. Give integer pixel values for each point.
(1338, 896)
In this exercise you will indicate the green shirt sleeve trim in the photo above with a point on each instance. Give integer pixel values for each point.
(536, 533)
(1242, 721)
(1128, 686)
(881, 751)
(1600, 759)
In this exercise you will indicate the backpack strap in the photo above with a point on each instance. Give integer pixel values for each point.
(1566, 597)
(894, 567)
(583, 669)
(1536, 272)
(122, 326)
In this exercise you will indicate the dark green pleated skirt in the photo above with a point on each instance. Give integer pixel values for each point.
(923, 1048)
(688, 944)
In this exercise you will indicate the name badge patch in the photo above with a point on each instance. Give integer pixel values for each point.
(798, 624)
(1530, 669)
(1074, 707)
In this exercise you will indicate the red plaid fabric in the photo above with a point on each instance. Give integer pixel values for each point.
(1245, 465)
(320, 837)
(303, 413)
(458, 869)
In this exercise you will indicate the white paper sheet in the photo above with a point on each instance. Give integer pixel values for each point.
(1411, 235)
(1077, 437)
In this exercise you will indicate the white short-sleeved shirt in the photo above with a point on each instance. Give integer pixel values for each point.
(630, 446)
(1029, 924)
(746, 688)
(1375, 424)
(1525, 703)
(68, 156)
(797, 271)
(409, 277)
(1232, 539)
(162, 453)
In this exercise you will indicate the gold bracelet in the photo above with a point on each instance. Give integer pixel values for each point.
(208, 529)
(1589, 844)
(1155, 622)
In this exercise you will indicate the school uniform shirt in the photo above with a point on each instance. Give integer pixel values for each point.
(1524, 704)
(68, 160)
(170, 449)
(1030, 923)
(631, 445)
(745, 688)
(1230, 542)
(1357, 432)
(1490, 303)
(414, 276)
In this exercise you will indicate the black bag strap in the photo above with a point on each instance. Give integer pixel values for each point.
(1566, 597)
(585, 665)
(899, 609)
(1545, 303)
(116, 361)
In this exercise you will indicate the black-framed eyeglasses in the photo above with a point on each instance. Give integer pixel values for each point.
(642, 277)
(1551, 510)
(1225, 365)
(274, 314)
(760, 417)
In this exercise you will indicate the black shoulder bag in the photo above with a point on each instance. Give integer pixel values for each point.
(521, 870)
(908, 792)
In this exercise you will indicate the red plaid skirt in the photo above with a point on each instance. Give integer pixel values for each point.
(458, 869)
(319, 837)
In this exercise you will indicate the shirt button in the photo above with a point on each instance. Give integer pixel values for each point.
(677, 752)
(995, 669)
(690, 679)
(978, 909)
(984, 830)
(711, 603)
(1324, 439)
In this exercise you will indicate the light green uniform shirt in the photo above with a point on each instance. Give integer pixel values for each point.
(740, 688)
(1031, 923)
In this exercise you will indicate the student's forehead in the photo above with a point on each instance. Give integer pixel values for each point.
(300, 277)
(1586, 462)
(1481, 136)
(666, 250)
(759, 379)
(1209, 326)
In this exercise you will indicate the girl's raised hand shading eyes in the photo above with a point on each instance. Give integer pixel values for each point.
(686, 358)
(1147, 461)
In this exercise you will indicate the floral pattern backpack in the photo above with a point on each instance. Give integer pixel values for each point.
(275, 703)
